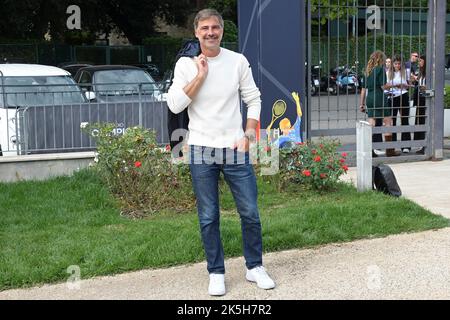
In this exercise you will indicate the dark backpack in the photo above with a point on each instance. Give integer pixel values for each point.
(190, 48)
(384, 180)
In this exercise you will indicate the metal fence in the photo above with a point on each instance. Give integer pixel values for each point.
(56, 54)
(34, 120)
(342, 34)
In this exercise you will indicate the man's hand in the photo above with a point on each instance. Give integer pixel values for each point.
(242, 145)
(194, 86)
(202, 65)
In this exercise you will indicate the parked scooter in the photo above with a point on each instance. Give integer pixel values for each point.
(340, 79)
(347, 80)
(315, 80)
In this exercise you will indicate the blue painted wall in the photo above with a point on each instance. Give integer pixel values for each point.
(272, 37)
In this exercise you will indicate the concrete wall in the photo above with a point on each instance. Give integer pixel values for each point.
(42, 166)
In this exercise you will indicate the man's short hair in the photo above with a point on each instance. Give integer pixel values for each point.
(205, 14)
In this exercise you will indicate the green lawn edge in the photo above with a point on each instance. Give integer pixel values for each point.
(48, 226)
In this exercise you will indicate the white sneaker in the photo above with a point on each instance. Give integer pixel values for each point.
(405, 150)
(379, 152)
(216, 284)
(260, 276)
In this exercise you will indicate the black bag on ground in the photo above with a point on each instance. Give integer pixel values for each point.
(384, 180)
(190, 48)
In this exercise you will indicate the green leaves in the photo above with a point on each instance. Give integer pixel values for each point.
(139, 172)
(315, 165)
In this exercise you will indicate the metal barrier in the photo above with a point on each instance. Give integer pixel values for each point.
(341, 36)
(45, 122)
(162, 55)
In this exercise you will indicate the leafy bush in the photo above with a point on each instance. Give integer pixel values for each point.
(230, 32)
(139, 173)
(447, 97)
(312, 165)
(315, 165)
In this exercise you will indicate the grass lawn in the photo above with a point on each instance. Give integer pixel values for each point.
(45, 227)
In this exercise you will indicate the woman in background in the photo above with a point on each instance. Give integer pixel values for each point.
(398, 77)
(373, 100)
(419, 101)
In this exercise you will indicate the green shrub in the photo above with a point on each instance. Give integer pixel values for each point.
(140, 173)
(447, 97)
(316, 165)
(312, 165)
(230, 32)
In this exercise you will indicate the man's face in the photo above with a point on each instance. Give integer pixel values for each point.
(209, 33)
(414, 57)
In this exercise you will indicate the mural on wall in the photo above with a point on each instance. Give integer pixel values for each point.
(289, 133)
(277, 58)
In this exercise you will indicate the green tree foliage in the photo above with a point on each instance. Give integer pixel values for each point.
(32, 19)
(227, 8)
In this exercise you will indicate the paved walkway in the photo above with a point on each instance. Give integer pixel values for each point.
(407, 266)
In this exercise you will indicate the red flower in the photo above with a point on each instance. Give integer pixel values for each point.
(138, 164)
(266, 149)
(168, 147)
(317, 159)
(344, 154)
(299, 143)
(323, 175)
(345, 168)
(342, 160)
(306, 173)
(321, 146)
(314, 151)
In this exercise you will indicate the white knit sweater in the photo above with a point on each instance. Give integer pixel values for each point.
(215, 118)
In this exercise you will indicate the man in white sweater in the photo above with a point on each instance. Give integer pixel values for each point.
(211, 86)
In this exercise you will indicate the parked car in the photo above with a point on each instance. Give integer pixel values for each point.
(151, 69)
(116, 83)
(74, 67)
(25, 85)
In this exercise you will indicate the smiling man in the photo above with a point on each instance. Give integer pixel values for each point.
(211, 87)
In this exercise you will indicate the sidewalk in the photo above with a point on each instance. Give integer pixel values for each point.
(406, 266)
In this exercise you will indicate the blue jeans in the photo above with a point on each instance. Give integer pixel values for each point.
(206, 165)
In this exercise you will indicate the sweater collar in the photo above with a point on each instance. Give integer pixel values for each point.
(216, 57)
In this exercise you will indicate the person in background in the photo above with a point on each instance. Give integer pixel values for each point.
(413, 65)
(419, 100)
(398, 79)
(372, 98)
(387, 64)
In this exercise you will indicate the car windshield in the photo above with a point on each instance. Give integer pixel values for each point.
(41, 90)
(125, 81)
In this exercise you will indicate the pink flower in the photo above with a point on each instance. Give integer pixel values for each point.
(314, 151)
(344, 154)
(323, 175)
(266, 149)
(341, 160)
(168, 147)
(345, 168)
